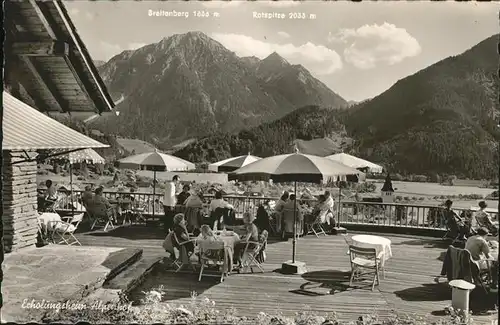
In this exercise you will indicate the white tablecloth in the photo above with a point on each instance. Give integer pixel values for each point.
(382, 245)
(47, 217)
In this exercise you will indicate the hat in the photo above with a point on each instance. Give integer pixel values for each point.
(178, 218)
(483, 205)
(483, 231)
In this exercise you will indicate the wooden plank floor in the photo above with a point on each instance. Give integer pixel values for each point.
(407, 289)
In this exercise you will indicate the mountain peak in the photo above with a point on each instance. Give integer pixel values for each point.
(276, 58)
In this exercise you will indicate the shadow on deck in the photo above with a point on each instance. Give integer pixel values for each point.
(408, 287)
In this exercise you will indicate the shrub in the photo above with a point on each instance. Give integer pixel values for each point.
(399, 198)
(204, 311)
(421, 198)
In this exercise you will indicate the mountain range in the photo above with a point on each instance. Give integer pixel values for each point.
(191, 94)
(443, 120)
(189, 85)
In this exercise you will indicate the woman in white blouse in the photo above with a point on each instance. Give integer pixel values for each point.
(219, 202)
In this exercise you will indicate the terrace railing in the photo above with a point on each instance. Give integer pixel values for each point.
(351, 212)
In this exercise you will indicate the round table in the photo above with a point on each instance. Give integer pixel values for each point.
(230, 240)
(382, 245)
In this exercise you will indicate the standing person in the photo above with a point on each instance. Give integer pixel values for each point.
(169, 201)
(182, 196)
(278, 210)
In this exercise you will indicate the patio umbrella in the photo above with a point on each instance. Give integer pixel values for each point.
(355, 162)
(77, 157)
(157, 161)
(231, 164)
(295, 168)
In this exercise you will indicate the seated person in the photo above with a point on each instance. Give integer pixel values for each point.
(479, 248)
(183, 195)
(251, 234)
(457, 226)
(219, 202)
(87, 196)
(182, 234)
(262, 220)
(483, 219)
(51, 192)
(217, 207)
(194, 201)
(101, 206)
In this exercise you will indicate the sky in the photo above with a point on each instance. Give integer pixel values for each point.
(358, 50)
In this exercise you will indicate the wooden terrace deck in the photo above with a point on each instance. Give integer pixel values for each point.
(407, 289)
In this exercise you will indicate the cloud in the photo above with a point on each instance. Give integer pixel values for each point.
(216, 4)
(280, 3)
(317, 58)
(284, 34)
(108, 50)
(74, 12)
(370, 45)
(89, 15)
(135, 46)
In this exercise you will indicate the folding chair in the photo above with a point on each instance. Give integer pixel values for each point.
(348, 241)
(65, 231)
(364, 261)
(182, 257)
(251, 255)
(103, 217)
(315, 226)
(212, 252)
(137, 213)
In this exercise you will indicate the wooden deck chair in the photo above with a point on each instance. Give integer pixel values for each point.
(212, 252)
(181, 255)
(364, 261)
(315, 227)
(252, 252)
(63, 232)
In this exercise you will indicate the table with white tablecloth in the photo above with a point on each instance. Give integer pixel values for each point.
(382, 245)
(230, 240)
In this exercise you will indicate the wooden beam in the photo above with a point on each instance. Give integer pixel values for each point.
(47, 84)
(43, 19)
(51, 48)
(85, 86)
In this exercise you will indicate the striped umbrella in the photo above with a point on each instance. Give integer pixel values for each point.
(231, 164)
(157, 161)
(77, 157)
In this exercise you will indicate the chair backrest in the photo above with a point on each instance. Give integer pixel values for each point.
(363, 252)
(77, 218)
(212, 249)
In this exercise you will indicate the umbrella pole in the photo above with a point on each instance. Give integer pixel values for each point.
(154, 192)
(339, 207)
(71, 188)
(293, 266)
(294, 242)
